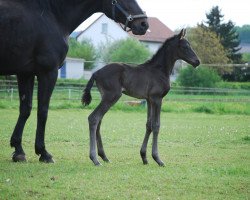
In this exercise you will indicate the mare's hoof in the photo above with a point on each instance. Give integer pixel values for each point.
(46, 158)
(18, 157)
(161, 164)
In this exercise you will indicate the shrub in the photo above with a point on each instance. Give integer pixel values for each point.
(84, 50)
(127, 51)
(200, 77)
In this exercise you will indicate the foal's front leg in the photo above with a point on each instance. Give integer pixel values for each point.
(155, 116)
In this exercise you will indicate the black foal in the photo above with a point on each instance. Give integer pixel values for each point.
(150, 81)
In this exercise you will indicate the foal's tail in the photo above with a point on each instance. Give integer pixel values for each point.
(86, 97)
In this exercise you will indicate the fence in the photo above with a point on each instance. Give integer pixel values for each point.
(9, 91)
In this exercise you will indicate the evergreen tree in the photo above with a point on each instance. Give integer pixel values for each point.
(227, 33)
(214, 19)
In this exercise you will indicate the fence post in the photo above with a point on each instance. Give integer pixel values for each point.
(11, 94)
(69, 94)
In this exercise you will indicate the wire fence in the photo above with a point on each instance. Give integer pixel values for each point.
(9, 91)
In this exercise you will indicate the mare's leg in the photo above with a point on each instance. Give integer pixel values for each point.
(94, 119)
(155, 116)
(25, 87)
(46, 83)
(143, 150)
(101, 152)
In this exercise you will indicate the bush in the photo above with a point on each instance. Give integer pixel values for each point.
(235, 85)
(127, 51)
(246, 57)
(84, 50)
(200, 77)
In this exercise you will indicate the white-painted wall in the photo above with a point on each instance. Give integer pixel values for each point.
(152, 46)
(74, 68)
(95, 32)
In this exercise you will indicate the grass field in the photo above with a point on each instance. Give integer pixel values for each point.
(206, 156)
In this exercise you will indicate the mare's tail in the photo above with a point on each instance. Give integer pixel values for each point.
(86, 97)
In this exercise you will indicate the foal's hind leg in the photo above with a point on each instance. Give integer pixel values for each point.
(101, 152)
(25, 87)
(94, 119)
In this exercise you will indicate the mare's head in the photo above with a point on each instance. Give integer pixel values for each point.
(185, 51)
(128, 13)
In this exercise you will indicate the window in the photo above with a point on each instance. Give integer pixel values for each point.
(104, 28)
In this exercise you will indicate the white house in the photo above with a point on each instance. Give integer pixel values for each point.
(72, 68)
(155, 35)
(104, 30)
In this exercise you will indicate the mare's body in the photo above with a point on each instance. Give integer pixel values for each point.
(34, 42)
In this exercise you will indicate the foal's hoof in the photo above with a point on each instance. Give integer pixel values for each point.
(47, 158)
(18, 157)
(161, 164)
(145, 162)
(96, 163)
(106, 160)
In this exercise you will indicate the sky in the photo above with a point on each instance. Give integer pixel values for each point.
(182, 13)
(178, 14)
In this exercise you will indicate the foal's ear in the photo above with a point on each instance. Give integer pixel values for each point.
(182, 34)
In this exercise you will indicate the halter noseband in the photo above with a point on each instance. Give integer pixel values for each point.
(129, 17)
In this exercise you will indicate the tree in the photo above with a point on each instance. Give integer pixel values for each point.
(227, 33)
(208, 48)
(84, 50)
(127, 51)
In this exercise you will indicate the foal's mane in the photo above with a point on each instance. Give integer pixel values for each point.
(163, 48)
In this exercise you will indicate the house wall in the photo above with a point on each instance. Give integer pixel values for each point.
(97, 36)
(152, 46)
(72, 69)
(245, 48)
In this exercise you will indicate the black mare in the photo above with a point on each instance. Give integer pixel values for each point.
(150, 81)
(34, 42)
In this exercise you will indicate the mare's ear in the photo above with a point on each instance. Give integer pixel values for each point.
(182, 34)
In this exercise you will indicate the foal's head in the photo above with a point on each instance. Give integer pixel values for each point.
(127, 12)
(184, 51)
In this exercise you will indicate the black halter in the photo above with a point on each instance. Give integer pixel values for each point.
(129, 17)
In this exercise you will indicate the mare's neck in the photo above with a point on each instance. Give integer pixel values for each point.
(70, 14)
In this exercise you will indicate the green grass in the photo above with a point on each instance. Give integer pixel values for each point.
(206, 156)
(169, 106)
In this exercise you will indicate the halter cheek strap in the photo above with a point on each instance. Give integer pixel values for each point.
(129, 17)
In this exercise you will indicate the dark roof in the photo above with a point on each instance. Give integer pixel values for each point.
(157, 32)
